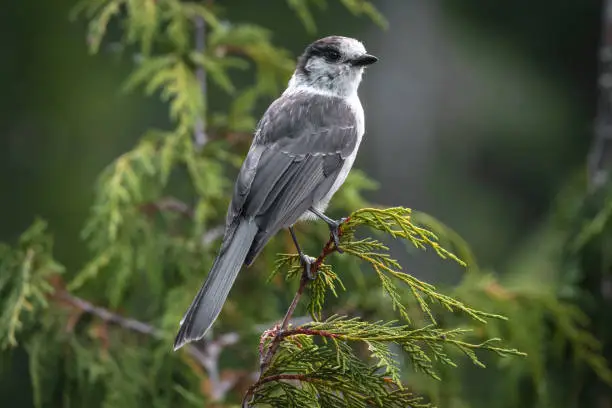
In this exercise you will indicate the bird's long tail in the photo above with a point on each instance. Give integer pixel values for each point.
(210, 299)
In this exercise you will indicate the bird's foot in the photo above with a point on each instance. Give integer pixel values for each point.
(334, 230)
(307, 262)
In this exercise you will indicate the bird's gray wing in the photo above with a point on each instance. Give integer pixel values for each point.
(299, 148)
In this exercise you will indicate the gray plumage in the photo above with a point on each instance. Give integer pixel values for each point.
(303, 148)
(298, 153)
(218, 283)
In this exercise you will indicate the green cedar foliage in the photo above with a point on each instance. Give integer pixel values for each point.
(555, 301)
(333, 372)
(102, 335)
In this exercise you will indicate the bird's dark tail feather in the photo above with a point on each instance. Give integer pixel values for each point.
(210, 299)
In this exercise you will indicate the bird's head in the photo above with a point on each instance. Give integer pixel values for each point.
(332, 64)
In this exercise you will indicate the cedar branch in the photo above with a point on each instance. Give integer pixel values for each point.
(281, 331)
(206, 354)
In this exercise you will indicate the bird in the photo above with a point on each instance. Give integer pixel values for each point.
(302, 151)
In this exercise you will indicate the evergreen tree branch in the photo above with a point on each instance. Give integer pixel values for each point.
(205, 353)
(212, 234)
(278, 332)
(295, 321)
(108, 316)
(266, 356)
(298, 370)
(171, 204)
(310, 332)
(326, 251)
(279, 377)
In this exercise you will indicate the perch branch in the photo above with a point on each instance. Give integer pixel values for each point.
(279, 331)
(267, 356)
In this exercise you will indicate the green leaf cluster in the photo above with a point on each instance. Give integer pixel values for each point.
(25, 273)
(350, 362)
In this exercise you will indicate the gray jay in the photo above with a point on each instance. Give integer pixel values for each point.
(303, 148)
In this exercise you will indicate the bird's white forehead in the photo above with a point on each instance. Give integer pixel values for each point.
(351, 46)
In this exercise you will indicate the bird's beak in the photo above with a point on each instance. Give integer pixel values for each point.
(363, 60)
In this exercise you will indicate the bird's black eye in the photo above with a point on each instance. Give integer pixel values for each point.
(331, 55)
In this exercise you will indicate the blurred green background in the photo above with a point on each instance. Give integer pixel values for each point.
(479, 113)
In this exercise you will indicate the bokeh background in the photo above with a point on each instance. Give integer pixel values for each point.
(479, 113)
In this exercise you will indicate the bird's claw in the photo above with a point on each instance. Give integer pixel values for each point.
(307, 262)
(334, 229)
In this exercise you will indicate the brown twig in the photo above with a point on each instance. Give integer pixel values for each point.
(267, 357)
(212, 234)
(108, 316)
(309, 332)
(280, 331)
(210, 362)
(206, 354)
(279, 377)
(167, 204)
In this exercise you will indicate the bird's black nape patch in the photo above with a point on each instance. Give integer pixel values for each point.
(328, 47)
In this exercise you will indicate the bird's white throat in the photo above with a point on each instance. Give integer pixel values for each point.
(344, 86)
